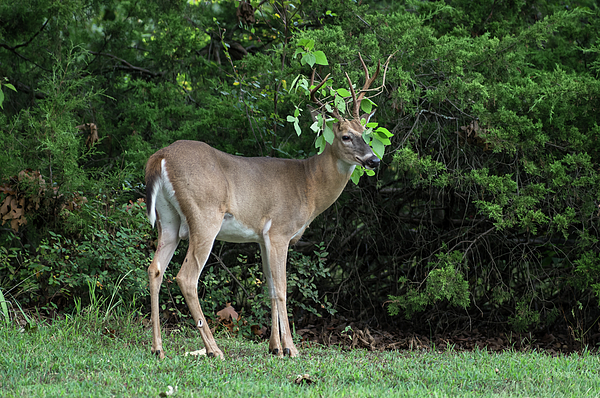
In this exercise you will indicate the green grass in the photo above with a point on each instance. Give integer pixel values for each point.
(74, 358)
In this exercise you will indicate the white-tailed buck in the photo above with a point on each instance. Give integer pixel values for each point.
(198, 193)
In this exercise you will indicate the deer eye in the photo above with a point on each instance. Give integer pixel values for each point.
(346, 137)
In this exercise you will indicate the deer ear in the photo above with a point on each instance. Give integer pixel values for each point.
(313, 113)
(367, 116)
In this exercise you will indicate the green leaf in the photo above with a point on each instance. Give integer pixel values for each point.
(382, 137)
(4, 308)
(340, 104)
(308, 58)
(328, 132)
(343, 92)
(297, 127)
(315, 126)
(294, 82)
(320, 119)
(1, 99)
(320, 144)
(304, 84)
(302, 42)
(378, 148)
(356, 174)
(11, 87)
(308, 44)
(384, 131)
(366, 105)
(320, 57)
(384, 140)
(291, 118)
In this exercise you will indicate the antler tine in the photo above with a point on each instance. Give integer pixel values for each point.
(355, 109)
(368, 82)
(364, 66)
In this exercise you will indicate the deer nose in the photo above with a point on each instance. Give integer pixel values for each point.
(372, 162)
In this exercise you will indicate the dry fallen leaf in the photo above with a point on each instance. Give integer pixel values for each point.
(245, 13)
(92, 137)
(227, 313)
(258, 331)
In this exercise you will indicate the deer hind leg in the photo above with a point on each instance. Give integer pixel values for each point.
(274, 257)
(201, 242)
(168, 239)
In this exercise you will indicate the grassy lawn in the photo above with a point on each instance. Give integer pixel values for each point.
(77, 357)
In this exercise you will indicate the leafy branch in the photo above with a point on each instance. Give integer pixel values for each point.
(336, 104)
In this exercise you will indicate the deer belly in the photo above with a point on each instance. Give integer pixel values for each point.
(234, 231)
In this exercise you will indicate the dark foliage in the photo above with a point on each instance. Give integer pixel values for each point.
(485, 211)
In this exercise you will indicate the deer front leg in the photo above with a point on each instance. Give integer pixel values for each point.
(274, 256)
(280, 282)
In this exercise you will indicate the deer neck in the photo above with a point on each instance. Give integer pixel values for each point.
(327, 176)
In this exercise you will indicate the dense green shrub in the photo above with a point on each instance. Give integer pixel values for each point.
(59, 268)
(487, 204)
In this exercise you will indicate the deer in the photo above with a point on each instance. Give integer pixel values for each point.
(196, 192)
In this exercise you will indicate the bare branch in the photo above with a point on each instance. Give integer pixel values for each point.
(27, 42)
(127, 65)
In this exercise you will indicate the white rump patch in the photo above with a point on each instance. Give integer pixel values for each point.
(164, 203)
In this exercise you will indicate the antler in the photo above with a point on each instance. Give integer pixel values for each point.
(368, 82)
(335, 113)
(355, 100)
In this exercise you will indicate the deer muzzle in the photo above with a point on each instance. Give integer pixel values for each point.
(371, 162)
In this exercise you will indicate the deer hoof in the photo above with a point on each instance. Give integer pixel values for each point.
(275, 351)
(287, 351)
(210, 355)
(159, 354)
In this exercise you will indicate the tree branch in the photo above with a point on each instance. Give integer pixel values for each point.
(129, 66)
(13, 49)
